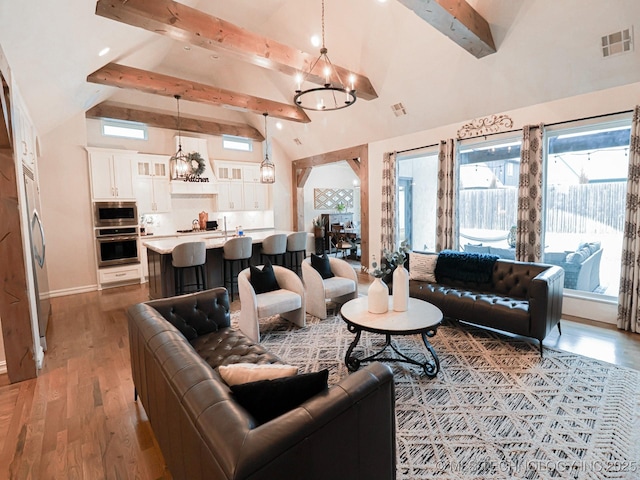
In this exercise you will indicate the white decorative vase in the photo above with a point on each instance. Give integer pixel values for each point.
(378, 297)
(400, 289)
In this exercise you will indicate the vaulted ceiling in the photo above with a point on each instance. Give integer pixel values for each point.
(232, 60)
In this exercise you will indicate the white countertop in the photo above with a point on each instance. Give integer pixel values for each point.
(213, 239)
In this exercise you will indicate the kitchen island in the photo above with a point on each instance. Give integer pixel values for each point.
(161, 279)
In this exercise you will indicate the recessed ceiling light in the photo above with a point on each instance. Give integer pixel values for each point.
(382, 1)
(315, 40)
(214, 57)
(103, 52)
(279, 125)
(187, 47)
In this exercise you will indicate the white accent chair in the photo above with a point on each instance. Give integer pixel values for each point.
(288, 301)
(340, 288)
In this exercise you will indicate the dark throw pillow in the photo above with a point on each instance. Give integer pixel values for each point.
(263, 280)
(322, 265)
(268, 399)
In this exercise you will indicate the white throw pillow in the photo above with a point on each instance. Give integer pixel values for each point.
(238, 373)
(422, 266)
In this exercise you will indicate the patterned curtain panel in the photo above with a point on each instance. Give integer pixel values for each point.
(529, 229)
(389, 225)
(446, 228)
(628, 305)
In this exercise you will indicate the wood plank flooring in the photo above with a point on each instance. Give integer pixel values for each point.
(78, 420)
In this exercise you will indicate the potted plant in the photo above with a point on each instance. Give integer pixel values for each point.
(318, 227)
(341, 207)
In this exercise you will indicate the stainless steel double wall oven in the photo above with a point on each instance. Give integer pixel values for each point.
(116, 233)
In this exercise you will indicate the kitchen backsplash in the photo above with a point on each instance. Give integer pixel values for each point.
(185, 209)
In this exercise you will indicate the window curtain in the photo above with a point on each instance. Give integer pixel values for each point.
(628, 307)
(446, 221)
(529, 224)
(389, 225)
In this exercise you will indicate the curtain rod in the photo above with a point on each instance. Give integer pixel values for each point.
(551, 124)
(417, 148)
(519, 129)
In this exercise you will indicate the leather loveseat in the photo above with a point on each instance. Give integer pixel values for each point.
(346, 431)
(517, 297)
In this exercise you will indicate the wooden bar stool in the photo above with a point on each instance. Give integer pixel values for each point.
(274, 247)
(296, 244)
(185, 256)
(236, 251)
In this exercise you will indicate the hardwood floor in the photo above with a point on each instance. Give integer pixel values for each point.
(78, 420)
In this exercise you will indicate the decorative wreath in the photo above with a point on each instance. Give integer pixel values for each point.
(196, 163)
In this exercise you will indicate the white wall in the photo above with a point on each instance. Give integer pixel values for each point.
(66, 208)
(592, 104)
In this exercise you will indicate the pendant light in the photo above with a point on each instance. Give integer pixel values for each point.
(334, 94)
(179, 164)
(267, 169)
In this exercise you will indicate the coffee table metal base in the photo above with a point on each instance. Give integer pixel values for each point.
(430, 367)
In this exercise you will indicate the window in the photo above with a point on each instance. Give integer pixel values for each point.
(586, 184)
(488, 177)
(230, 142)
(417, 199)
(124, 129)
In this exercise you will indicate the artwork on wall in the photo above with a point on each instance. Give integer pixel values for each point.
(330, 198)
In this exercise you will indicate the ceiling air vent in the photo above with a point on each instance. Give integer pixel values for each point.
(297, 141)
(398, 110)
(617, 43)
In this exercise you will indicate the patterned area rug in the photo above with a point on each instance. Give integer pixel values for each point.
(496, 409)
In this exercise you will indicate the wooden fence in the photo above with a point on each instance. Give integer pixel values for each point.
(588, 208)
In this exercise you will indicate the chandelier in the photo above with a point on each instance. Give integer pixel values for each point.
(334, 94)
(267, 169)
(179, 162)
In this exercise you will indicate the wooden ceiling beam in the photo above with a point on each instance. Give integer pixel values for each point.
(331, 157)
(302, 176)
(458, 21)
(115, 75)
(163, 120)
(187, 24)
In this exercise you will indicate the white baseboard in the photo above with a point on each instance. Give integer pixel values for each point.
(3, 367)
(72, 291)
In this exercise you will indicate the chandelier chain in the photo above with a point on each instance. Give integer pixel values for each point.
(323, 45)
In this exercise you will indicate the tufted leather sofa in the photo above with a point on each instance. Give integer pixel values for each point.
(521, 298)
(177, 343)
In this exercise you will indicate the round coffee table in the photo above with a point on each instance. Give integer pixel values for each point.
(421, 318)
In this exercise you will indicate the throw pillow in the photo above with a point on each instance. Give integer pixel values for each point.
(422, 266)
(263, 280)
(268, 399)
(238, 373)
(322, 265)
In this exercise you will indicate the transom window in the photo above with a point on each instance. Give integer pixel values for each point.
(124, 129)
(230, 142)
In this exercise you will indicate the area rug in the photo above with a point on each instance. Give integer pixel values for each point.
(495, 410)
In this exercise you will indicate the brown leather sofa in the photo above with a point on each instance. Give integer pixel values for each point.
(521, 298)
(345, 432)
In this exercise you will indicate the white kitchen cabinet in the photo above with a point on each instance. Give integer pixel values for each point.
(229, 171)
(251, 173)
(230, 196)
(255, 196)
(111, 174)
(153, 192)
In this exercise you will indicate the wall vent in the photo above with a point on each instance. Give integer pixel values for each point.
(617, 43)
(398, 110)
(297, 141)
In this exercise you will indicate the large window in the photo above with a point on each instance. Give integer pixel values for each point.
(586, 181)
(417, 198)
(488, 175)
